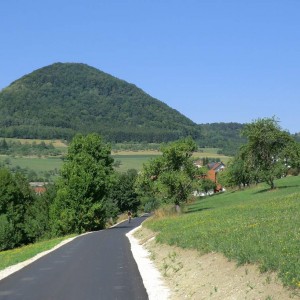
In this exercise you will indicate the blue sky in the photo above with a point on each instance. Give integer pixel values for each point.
(212, 60)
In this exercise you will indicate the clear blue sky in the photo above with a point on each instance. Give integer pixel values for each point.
(212, 60)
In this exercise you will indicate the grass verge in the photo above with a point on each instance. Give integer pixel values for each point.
(14, 256)
(252, 226)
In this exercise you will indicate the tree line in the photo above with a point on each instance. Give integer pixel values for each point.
(8, 147)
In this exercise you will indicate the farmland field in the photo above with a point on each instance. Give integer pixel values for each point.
(56, 143)
(127, 159)
(132, 161)
(35, 163)
(39, 165)
(211, 153)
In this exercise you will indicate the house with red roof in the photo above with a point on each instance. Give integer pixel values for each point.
(212, 174)
(38, 187)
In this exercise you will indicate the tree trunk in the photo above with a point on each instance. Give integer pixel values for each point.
(272, 185)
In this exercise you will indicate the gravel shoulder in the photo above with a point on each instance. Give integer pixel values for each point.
(189, 275)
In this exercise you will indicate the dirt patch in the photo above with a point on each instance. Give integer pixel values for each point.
(190, 275)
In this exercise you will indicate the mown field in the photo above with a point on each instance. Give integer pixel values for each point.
(46, 164)
(256, 226)
(36, 164)
(132, 161)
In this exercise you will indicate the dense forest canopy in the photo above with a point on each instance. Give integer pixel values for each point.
(62, 99)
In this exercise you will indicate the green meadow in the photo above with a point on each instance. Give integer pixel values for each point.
(46, 164)
(132, 161)
(254, 225)
(126, 159)
(36, 164)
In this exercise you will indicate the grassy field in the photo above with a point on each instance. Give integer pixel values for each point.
(251, 226)
(132, 161)
(211, 153)
(39, 165)
(12, 257)
(128, 159)
(35, 163)
(135, 159)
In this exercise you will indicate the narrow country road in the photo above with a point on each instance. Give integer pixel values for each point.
(98, 265)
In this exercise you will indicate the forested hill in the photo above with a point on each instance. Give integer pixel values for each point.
(226, 136)
(62, 99)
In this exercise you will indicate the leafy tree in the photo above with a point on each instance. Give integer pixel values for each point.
(206, 185)
(270, 151)
(86, 178)
(37, 218)
(123, 192)
(238, 172)
(15, 198)
(172, 176)
(3, 146)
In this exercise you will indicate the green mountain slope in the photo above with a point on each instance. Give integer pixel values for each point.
(226, 136)
(62, 99)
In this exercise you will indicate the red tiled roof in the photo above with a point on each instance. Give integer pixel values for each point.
(39, 189)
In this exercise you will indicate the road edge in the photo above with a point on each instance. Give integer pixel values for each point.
(152, 279)
(14, 268)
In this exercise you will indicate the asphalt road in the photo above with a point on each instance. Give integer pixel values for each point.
(98, 265)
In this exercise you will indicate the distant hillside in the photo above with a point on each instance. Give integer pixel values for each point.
(297, 136)
(62, 99)
(226, 136)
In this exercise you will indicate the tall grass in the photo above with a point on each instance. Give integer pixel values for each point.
(252, 226)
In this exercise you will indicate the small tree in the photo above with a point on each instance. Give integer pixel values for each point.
(237, 172)
(270, 151)
(172, 176)
(207, 185)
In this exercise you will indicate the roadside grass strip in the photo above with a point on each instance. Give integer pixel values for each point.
(12, 257)
(254, 226)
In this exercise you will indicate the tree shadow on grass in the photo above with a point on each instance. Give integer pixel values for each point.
(197, 209)
(277, 188)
